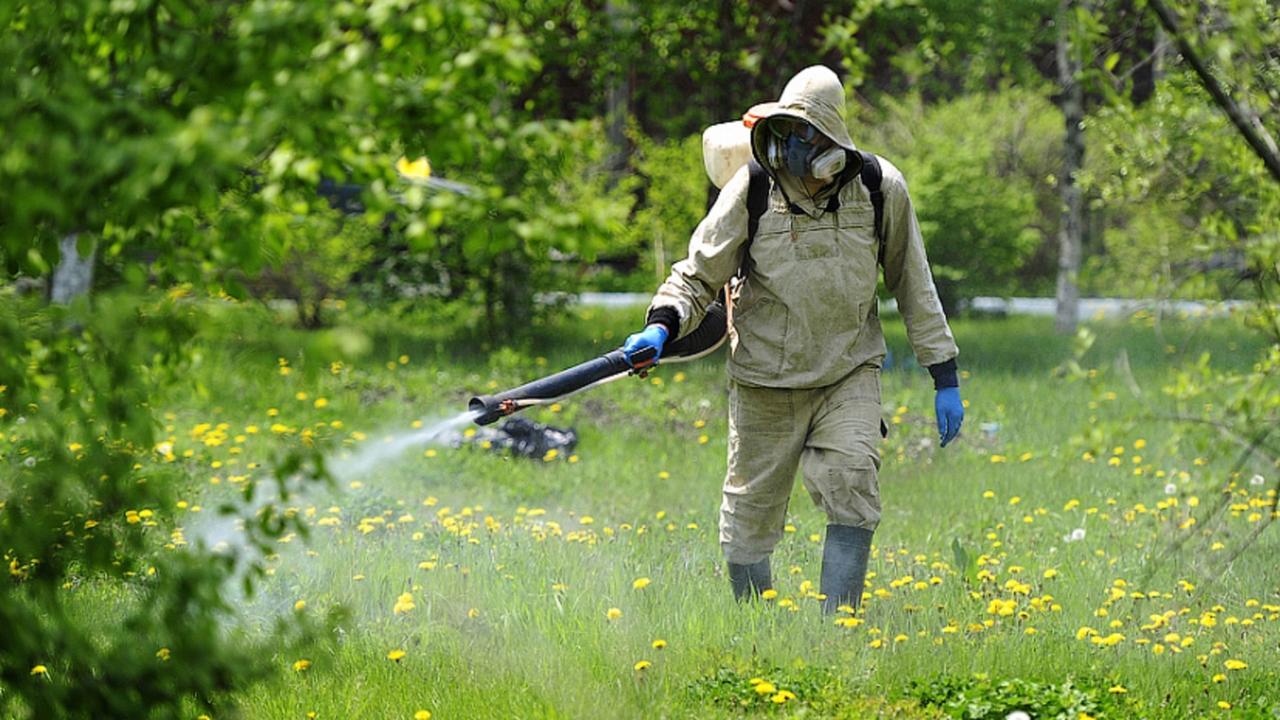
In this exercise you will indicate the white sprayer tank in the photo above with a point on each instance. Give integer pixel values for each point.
(725, 148)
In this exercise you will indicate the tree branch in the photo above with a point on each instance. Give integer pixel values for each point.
(1261, 145)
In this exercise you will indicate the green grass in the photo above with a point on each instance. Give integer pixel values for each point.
(511, 618)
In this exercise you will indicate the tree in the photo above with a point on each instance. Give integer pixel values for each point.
(1196, 161)
(1069, 228)
(188, 139)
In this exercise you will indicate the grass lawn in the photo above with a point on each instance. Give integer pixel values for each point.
(1026, 566)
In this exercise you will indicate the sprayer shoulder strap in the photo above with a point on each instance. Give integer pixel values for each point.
(871, 176)
(757, 201)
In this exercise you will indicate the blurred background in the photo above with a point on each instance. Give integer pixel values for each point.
(484, 159)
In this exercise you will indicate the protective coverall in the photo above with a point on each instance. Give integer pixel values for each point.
(805, 343)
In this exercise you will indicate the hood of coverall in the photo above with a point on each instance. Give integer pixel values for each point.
(815, 96)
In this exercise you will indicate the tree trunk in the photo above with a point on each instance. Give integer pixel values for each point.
(618, 100)
(74, 274)
(1145, 52)
(1070, 227)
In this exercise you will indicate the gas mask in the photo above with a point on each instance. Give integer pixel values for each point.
(794, 145)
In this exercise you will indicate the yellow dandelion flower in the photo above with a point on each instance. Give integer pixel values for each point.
(396, 655)
(163, 654)
(1224, 705)
(613, 613)
(769, 594)
(764, 687)
(301, 665)
(640, 583)
(659, 644)
(403, 604)
(420, 168)
(300, 605)
(422, 715)
(642, 665)
(39, 670)
(1235, 664)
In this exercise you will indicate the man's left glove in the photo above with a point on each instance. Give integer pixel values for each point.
(950, 412)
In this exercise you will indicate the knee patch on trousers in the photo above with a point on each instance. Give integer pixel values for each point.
(848, 492)
(750, 527)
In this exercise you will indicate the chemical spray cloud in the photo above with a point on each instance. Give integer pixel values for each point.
(225, 534)
(373, 455)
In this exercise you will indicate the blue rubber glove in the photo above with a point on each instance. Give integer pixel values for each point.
(654, 336)
(950, 412)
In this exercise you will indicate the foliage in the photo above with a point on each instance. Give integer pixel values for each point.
(981, 698)
(976, 169)
(546, 208)
(679, 66)
(320, 253)
(80, 505)
(798, 690)
(672, 186)
(1188, 206)
(147, 119)
(941, 48)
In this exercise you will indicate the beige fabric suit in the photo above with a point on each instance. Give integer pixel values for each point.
(805, 344)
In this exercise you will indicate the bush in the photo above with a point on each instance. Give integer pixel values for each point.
(980, 698)
(672, 186)
(1188, 209)
(978, 169)
(86, 500)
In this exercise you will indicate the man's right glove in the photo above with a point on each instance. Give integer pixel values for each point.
(653, 336)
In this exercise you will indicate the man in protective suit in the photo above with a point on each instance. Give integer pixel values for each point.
(805, 344)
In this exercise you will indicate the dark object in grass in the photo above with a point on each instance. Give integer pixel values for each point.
(525, 438)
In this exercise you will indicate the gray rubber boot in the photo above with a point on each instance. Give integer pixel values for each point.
(750, 580)
(844, 566)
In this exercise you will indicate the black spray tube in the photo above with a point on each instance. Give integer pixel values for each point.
(702, 341)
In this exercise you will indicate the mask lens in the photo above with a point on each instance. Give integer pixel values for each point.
(783, 128)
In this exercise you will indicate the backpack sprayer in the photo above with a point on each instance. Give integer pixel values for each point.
(726, 147)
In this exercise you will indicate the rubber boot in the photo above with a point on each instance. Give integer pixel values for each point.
(750, 580)
(844, 566)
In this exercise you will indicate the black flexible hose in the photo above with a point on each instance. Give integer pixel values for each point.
(703, 339)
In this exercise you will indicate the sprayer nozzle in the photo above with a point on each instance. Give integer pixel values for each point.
(488, 409)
